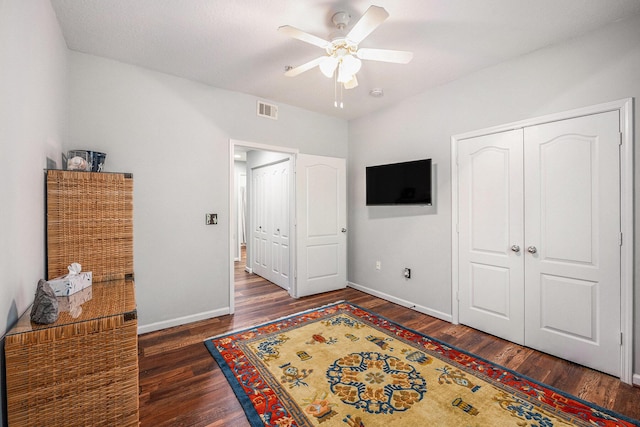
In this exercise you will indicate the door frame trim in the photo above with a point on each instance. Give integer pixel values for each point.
(233, 143)
(625, 109)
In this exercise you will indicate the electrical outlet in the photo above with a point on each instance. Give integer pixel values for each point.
(211, 219)
(378, 265)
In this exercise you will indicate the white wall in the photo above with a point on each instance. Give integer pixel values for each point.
(33, 124)
(173, 135)
(595, 68)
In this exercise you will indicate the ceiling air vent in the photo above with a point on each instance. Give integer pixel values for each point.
(267, 110)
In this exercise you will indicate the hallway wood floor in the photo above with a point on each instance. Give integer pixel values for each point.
(181, 385)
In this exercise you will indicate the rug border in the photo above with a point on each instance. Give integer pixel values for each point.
(286, 316)
(257, 421)
(252, 415)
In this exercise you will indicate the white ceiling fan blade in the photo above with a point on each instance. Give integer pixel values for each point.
(385, 55)
(304, 67)
(301, 35)
(372, 18)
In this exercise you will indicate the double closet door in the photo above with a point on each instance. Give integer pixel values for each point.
(539, 237)
(271, 207)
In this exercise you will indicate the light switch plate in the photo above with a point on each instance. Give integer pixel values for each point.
(211, 219)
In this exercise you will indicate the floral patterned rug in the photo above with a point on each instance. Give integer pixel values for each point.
(341, 365)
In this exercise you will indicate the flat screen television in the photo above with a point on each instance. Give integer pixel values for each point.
(406, 183)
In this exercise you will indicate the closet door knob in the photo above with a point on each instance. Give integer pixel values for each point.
(515, 248)
(344, 230)
(532, 249)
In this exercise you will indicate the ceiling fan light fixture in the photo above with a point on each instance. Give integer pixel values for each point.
(351, 64)
(328, 66)
(351, 83)
(343, 76)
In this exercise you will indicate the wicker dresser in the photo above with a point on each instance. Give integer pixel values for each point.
(82, 370)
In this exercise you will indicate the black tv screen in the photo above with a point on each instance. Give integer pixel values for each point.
(406, 183)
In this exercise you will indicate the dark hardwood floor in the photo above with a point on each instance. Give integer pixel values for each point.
(181, 385)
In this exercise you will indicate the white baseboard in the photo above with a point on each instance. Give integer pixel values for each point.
(248, 269)
(636, 379)
(426, 310)
(178, 321)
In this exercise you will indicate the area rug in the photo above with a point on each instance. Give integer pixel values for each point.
(341, 365)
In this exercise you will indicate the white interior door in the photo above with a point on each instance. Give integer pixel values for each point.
(572, 205)
(491, 276)
(321, 240)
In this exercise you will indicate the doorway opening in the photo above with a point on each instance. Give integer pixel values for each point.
(261, 204)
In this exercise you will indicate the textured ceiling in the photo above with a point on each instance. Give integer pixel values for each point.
(235, 45)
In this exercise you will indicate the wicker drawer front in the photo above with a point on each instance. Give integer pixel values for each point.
(90, 221)
(77, 372)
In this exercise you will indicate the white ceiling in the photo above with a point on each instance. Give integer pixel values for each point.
(235, 45)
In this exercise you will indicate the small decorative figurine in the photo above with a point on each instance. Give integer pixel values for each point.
(45, 304)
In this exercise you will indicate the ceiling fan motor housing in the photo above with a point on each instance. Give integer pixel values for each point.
(339, 38)
(341, 19)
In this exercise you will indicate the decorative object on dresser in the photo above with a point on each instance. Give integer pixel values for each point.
(84, 160)
(45, 304)
(83, 368)
(73, 282)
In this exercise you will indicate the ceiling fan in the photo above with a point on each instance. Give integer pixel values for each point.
(343, 55)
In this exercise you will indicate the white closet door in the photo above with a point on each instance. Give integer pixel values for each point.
(260, 229)
(491, 277)
(271, 222)
(572, 210)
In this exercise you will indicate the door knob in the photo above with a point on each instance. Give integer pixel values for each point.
(515, 248)
(532, 249)
(344, 230)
